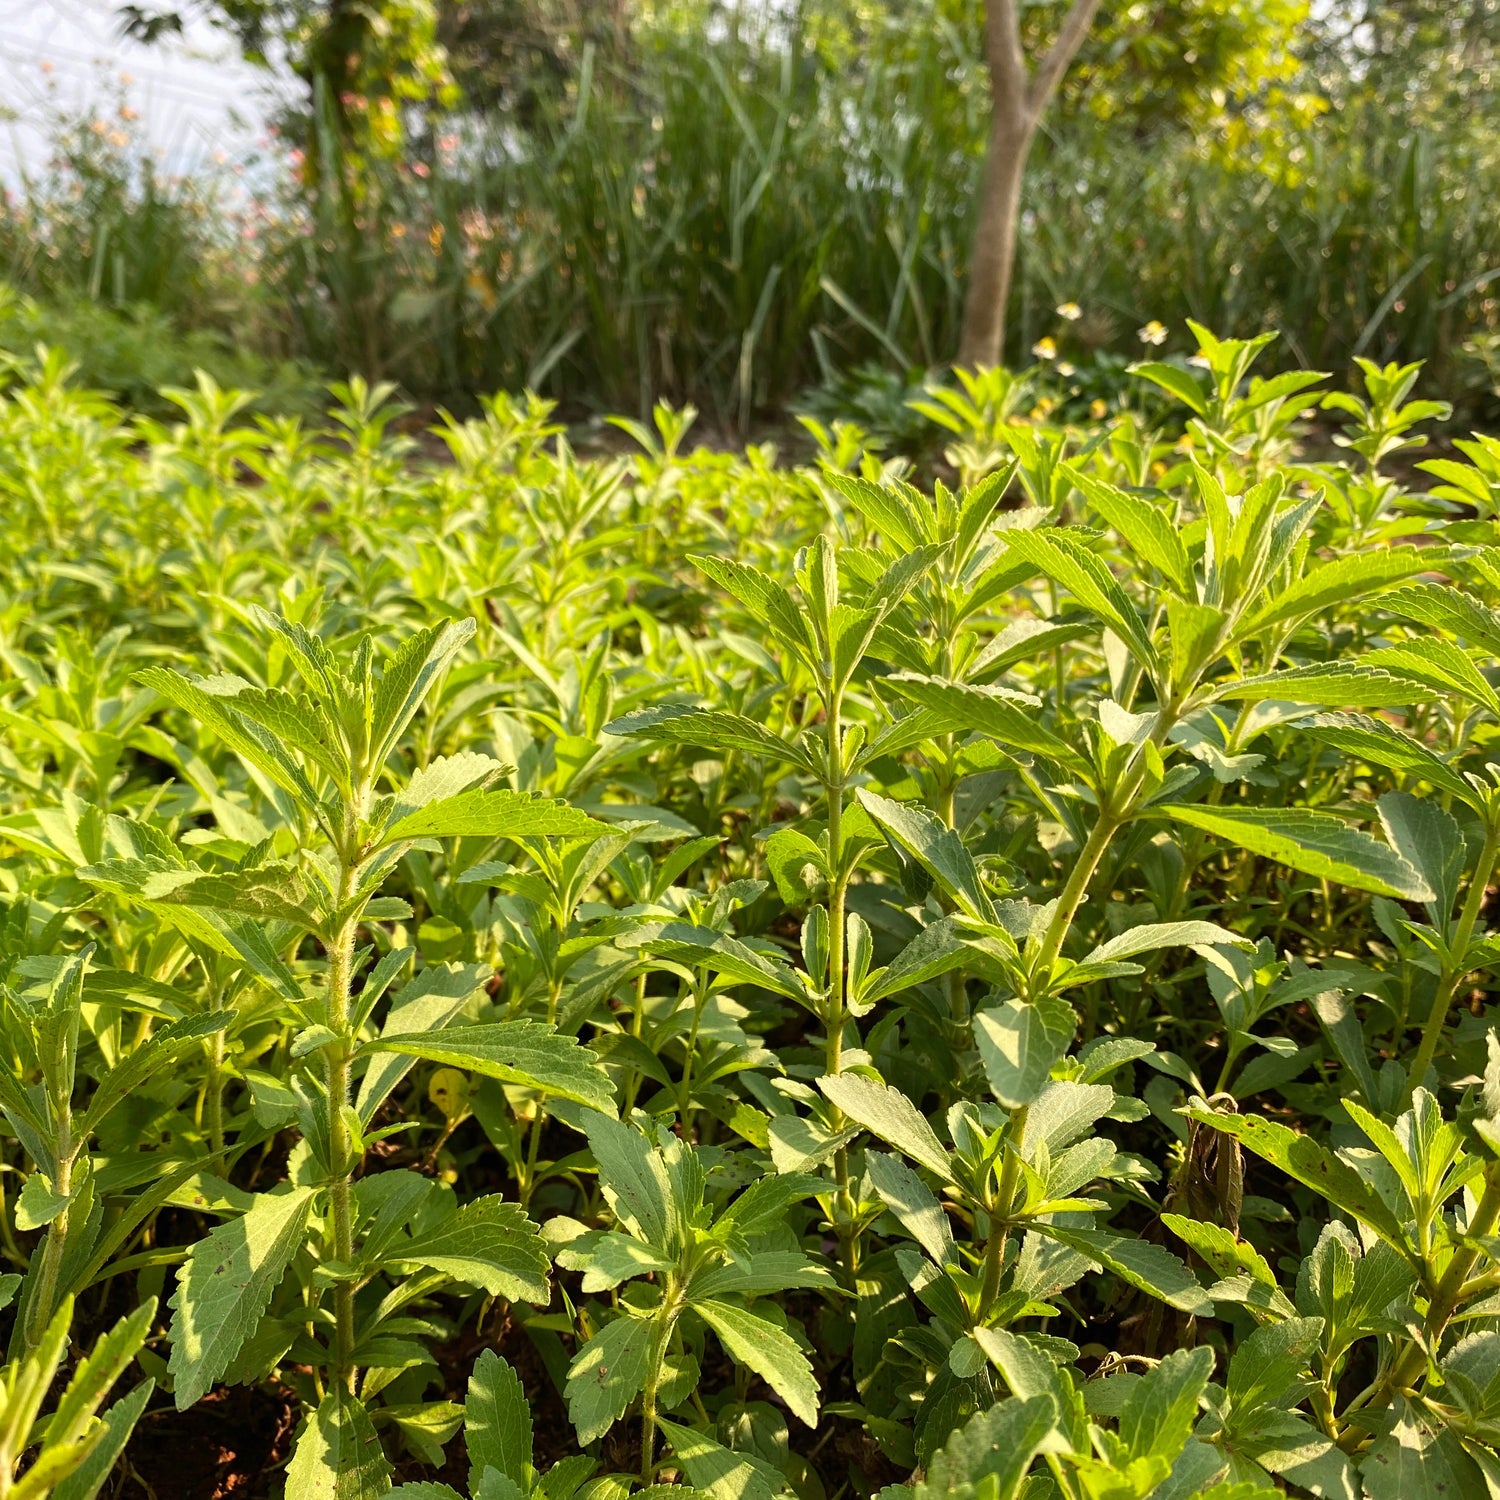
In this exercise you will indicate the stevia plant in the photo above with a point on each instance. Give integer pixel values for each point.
(69, 1452)
(321, 1253)
(1004, 1004)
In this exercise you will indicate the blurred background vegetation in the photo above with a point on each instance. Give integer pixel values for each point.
(756, 204)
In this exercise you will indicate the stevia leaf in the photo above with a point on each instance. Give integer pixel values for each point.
(721, 952)
(1265, 1366)
(606, 1375)
(888, 1114)
(1419, 1458)
(935, 950)
(497, 1422)
(338, 1456)
(210, 700)
(498, 814)
(525, 1052)
(1445, 667)
(761, 1273)
(97, 1374)
(1160, 1410)
(1447, 608)
(1343, 581)
(914, 1204)
(1340, 684)
(606, 1259)
(885, 509)
(937, 848)
(766, 599)
(85, 1482)
(724, 1473)
(1316, 843)
(634, 1179)
(764, 1204)
(1009, 718)
(444, 778)
(769, 1351)
(1431, 841)
(488, 1243)
(992, 1452)
(1311, 1164)
(1019, 1043)
(423, 1005)
(407, 677)
(138, 1065)
(1382, 744)
(713, 729)
(225, 1286)
(1069, 562)
(1225, 1256)
(1146, 1266)
(1146, 527)
(1150, 936)
(1174, 379)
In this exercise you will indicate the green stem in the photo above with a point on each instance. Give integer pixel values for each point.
(340, 1192)
(1104, 829)
(43, 1304)
(665, 1317)
(1005, 1193)
(834, 1010)
(215, 1101)
(1406, 1370)
(1437, 1017)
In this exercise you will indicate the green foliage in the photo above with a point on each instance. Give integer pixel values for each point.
(671, 976)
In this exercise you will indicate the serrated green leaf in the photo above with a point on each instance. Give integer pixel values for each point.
(1342, 582)
(1176, 381)
(225, 1287)
(497, 1422)
(635, 1180)
(1150, 533)
(769, 1351)
(338, 1455)
(524, 1052)
(1067, 561)
(606, 1375)
(992, 1452)
(1150, 936)
(1019, 1043)
(1160, 1411)
(1148, 1267)
(210, 701)
(1302, 1158)
(720, 1472)
(1317, 843)
(488, 1243)
(938, 849)
(1339, 684)
(681, 724)
(498, 814)
(406, 680)
(914, 1204)
(889, 1115)
(1009, 718)
(1382, 744)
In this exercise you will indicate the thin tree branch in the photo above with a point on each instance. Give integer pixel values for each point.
(1050, 70)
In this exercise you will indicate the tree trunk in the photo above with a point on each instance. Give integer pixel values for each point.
(994, 254)
(1018, 97)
